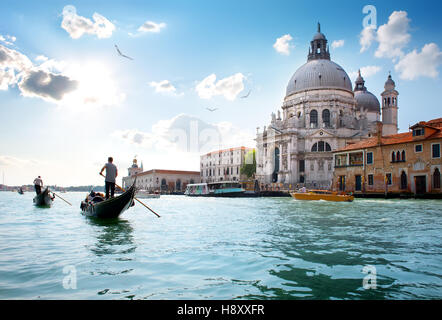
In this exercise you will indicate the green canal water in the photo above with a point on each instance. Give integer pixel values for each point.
(206, 248)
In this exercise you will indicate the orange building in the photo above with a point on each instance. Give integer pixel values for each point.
(405, 163)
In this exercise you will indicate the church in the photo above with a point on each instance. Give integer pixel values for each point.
(321, 113)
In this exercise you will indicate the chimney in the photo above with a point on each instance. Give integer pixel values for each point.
(379, 126)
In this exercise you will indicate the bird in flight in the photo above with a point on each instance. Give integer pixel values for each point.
(119, 52)
(212, 109)
(246, 94)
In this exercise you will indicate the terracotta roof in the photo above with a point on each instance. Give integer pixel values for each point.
(229, 149)
(397, 138)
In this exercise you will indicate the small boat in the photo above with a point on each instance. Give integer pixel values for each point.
(43, 199)
(223, 189)
(98, 207)
(144, 194)
(20, 190)
(322, 195)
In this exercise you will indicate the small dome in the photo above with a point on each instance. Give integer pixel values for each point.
(319, 36)
(367, 100)
(389, 84)
(318, 74)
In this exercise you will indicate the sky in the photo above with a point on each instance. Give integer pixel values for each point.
(68, 99)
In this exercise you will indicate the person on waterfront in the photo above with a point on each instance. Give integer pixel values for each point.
(111, 175)
(38, 183)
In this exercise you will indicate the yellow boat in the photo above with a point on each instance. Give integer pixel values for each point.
(322, 195)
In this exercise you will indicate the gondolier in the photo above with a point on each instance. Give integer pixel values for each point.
(38, 183)
(111, 175)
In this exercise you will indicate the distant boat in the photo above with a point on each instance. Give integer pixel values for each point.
(144, 194)
(43, 199)
(98, 207)
(225, 189)
(20, 190)
(322, 195)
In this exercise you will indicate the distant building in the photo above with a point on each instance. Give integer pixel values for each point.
(160, 180)
(400, 163)
(321, 112)
(223, 165)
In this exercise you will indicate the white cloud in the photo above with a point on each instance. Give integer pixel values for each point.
(420, 64)
(9, 161)
(282, 44)
(228, 87)
(163, 86)
(187, 134)
(366, 38)
(41, 58)
(150, 26)
(366, 72)
(337, 44)
(393, 36)
(77, 25)
(8, 39)
(71, 84)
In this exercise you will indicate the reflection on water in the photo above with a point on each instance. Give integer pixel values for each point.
(114, 236)
(265, 248)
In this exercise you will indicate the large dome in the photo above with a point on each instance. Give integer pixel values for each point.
(368, 101)
(319, 74)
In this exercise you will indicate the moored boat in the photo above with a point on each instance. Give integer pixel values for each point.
(322, 195)
(144, 194)
(43, 199)
(98, 207)
(225, 189)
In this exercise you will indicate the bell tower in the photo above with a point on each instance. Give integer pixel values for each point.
(389, 108)
(134, 169)
(318, 47)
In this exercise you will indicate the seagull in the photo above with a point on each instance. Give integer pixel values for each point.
(246, 94)
(119, 52)
(212, 109)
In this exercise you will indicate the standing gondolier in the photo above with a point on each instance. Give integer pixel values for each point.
(111, 174)
(38, 183)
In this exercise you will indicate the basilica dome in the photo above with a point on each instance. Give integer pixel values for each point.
(365, 99)
(319, 72)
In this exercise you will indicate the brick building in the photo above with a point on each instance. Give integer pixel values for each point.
(405, 163)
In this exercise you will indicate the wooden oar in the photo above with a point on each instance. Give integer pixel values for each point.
(135, 199)
(61, 198)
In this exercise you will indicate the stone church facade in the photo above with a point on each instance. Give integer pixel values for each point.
(321, 113)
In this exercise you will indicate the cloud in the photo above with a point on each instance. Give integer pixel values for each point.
(163, 86)
(187, 134)
(9, 161)
(366, 72)
(41, 58)
(46, 85)
(282, 44)
(393, 36)
(337, 44)
(77, 25)
(228, 87)
(366, 38)
(420, 64)
(76, 85)
(150, 26)
(8, 39)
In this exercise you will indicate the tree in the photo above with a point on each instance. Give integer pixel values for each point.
(249, 166)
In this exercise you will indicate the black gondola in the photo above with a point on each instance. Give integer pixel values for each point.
(20, 191)
(43, 199)
(111, 208)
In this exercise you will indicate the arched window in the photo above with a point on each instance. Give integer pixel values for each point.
(326, 117)
(436, 179)
(313, 118)
(321, 146)
(393, 157)
(178, 185)
(403, 180)
(403, 155)
(398, 156)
